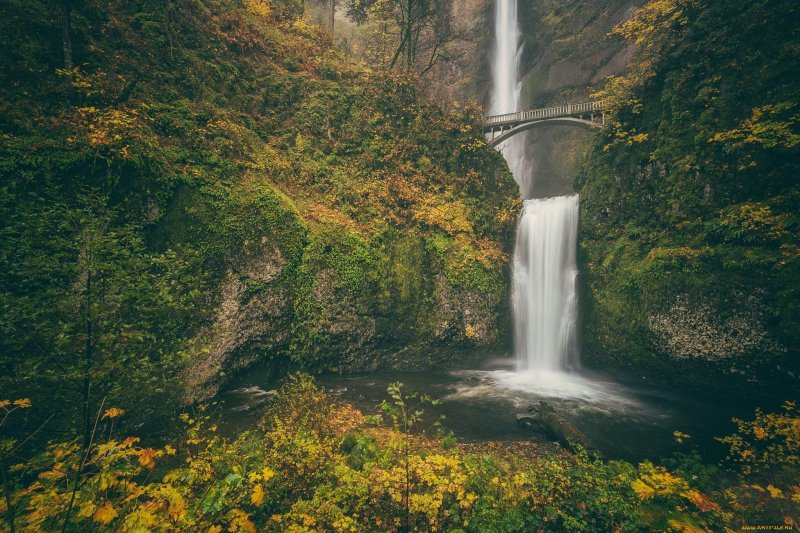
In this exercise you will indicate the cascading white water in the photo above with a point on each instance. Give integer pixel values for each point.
(505, 66)
(506, 86)
(544, 295)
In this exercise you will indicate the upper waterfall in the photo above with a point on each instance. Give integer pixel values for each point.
(506, 87)
(505, 64)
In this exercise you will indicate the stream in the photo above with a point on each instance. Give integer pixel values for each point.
(631, 421)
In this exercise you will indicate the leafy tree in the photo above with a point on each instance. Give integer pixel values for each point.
(407, 417)
(87, 311)
(423, 29)
(8, 455)
(766, 451)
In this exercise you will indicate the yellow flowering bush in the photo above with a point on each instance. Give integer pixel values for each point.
(319, 466)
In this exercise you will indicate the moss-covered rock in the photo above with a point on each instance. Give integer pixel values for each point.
(331, 217)
(689, 204)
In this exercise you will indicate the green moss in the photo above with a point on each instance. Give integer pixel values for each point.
(232, 142)
(692, 213)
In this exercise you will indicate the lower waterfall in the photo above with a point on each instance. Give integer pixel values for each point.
(544, 294)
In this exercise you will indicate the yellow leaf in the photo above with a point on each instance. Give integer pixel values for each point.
(701, 501)
(105, 514)
(257, 498)
(268, 473)
(679, 437)
(775, 492)
(130, 441)
(642, 489)
(239, 521)
(147, 458)
(107, 479)
(684, 527)
(87, 509)
(114, 412)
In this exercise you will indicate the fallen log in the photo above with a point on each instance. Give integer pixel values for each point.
(544, 419)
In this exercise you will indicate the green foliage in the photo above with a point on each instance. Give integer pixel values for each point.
(690, 193)
(317, 465)
(405, 409)
(88, 312)
(176, 175)
(193, 146)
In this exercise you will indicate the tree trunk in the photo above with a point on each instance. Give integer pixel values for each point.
(66, 42)
(408, 36)
(87, 362)
(397, 52)
(331, 18)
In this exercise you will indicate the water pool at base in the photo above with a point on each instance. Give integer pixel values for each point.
(625, 421)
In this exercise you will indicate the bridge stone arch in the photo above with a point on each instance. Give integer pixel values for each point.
(510, 132)
(589, 115)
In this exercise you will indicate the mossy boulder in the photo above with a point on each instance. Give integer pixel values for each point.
(326, 215)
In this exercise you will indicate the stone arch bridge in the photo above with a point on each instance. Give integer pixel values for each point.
(589, 115)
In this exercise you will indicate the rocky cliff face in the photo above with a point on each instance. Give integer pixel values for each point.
(397, 309)
(566, 55)
(689, 209)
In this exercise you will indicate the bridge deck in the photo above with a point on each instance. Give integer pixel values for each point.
(511, 119)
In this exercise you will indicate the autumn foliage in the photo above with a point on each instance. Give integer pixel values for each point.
(317, 465)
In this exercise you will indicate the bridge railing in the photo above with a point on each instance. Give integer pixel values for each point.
(545, 112)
